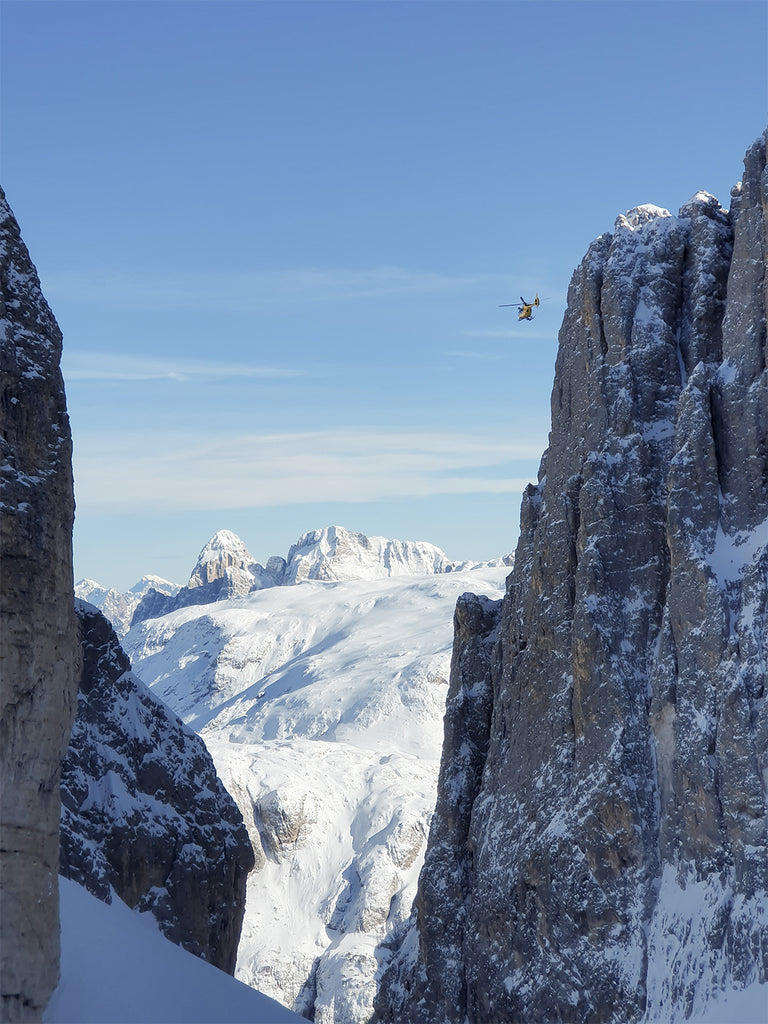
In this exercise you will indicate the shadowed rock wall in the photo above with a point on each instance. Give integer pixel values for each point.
(39, 645)
(144, 814)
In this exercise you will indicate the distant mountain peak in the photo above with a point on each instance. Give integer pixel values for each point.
(89, 584)
(225, 550)
(119, 607)
(335, 553)
(640, 215)
(223, 540)
(158, 583)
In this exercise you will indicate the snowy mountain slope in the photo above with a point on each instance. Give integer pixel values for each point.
(343, 831)
(322, 706)
(374, 651)
(116, 967)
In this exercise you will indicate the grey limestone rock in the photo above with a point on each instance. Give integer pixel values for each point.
(39, 647)
(144, 814)
(225, 569)
(605, 856)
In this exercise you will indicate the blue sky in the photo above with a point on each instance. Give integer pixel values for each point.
(276, 237)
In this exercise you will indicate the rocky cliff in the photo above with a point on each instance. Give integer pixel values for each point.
(599, 850)
(39, 650)
(143, 812)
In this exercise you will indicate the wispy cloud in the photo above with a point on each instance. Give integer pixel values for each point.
(221, 472)
(485, 357)
(78, 365)
(245, 290)
(522, 333)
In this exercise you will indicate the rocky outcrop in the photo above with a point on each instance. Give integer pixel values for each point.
(599, 850)
(39, 649)
(144, 814)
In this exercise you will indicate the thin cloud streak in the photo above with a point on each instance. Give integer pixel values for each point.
(122, 474)
(78, 365)
(247, 290)
(485, 357)
(522, 333)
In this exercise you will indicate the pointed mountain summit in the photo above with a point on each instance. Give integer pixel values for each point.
(224, 551)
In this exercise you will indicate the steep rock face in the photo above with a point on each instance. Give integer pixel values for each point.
(610, 857)
(39, 649)
(144, 813)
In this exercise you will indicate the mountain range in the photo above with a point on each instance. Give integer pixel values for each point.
(226, 569)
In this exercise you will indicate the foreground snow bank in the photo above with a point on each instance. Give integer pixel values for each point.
(116, 968)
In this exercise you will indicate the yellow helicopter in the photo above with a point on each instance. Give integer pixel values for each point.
(524, 309)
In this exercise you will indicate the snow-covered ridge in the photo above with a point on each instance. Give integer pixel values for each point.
(226, 569)
(641, 215)
(338, 554)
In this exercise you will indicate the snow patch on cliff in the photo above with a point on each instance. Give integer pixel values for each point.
(682, 943)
